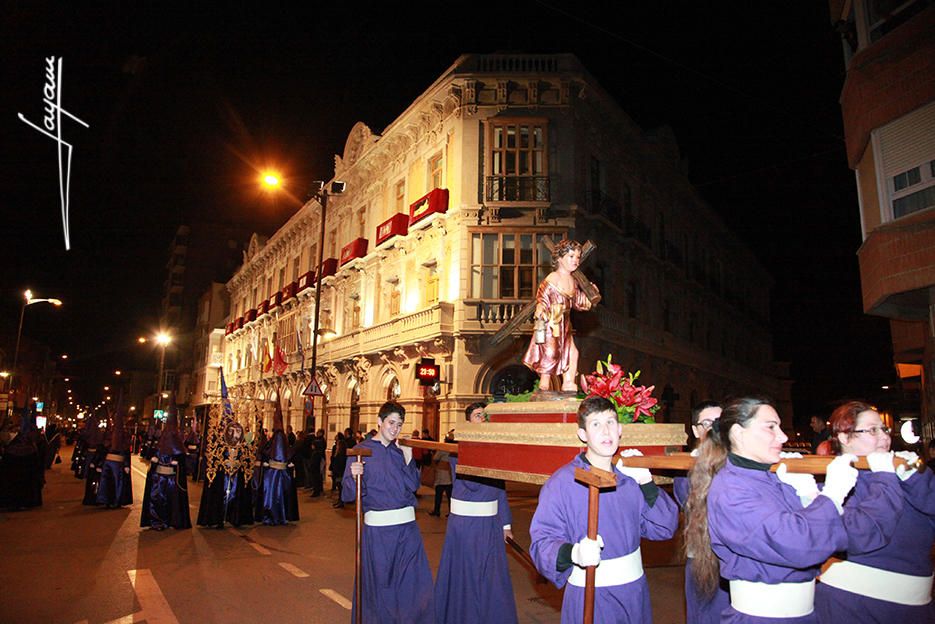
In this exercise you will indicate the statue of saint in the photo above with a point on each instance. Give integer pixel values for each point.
(552, 348)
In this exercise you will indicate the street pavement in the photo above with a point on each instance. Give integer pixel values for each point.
(67, 563)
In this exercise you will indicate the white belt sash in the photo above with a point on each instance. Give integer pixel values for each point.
(165, 470)
(612, 572)
(390, 517)
(879, 584)
(114, 457)
(277, 465)
(773, 599)
(477, 509)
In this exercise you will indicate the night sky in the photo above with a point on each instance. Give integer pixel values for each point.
(185, 108)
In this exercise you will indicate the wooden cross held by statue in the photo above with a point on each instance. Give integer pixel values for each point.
(360, 453)
(530, 308)
(595, 479)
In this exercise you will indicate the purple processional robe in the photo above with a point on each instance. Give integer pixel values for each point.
(699, 609)
(473, 581)
(165, 496)
(890, 526)
(627, 513)
(396, 578)
(760, 532)
(278, 493)
(115, 488)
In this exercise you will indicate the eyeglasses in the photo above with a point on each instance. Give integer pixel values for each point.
(874, 431)
(706, 424)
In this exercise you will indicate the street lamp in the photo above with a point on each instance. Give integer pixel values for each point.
(29, 300)
(162, 339)
(322, 194)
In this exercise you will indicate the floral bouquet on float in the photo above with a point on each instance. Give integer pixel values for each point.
(634, 403)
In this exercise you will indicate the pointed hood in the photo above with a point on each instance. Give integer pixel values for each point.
(119, 441)
(279, 444)
(170, 442)
(25, 442)
(94, 435)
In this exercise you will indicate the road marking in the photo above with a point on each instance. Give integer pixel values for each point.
(138, 471)
(291, 569)
(260, 549)
(155, 608)
(338, 598)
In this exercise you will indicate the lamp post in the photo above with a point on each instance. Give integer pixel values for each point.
(162, 339)
(29, 300)
(321, 193)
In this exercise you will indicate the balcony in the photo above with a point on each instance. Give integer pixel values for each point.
(603, 205)
(433, 203)
(275, 300)
(501, 189)
(397, 225)
(306, 281)
(250, 316)
(355, 249)
(484, 316)
(405, 330)
(329, 267)
(263, 308)
(290, 291)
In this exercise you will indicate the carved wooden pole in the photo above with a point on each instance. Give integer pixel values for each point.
(595, 479)
(360, 453)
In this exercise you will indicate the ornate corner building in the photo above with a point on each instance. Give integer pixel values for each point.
(438, 242)
(888, 107)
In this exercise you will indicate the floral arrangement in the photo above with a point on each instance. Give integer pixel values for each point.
(634, 403)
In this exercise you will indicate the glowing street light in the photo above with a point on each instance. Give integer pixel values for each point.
(118, 372)
(29, 300)
(271, 179)
(162, 339)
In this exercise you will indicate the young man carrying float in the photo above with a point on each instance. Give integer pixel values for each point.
(634, 509)
(395, 575)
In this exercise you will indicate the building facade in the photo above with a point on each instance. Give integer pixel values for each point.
(199, 254)
(438, 242)
(888, 107)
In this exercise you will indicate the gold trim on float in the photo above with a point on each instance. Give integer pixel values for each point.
(566, 406)
(506, 475)
(566, 434)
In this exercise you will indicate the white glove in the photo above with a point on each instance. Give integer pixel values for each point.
(903, 471)
(840, 479)
(695, 452)
(640, 475)
(126, 470)
(881, 462)
(587, 552)
(789, 455)
(407, 453)
(357, 469)
(806, 488)
(155, 459)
